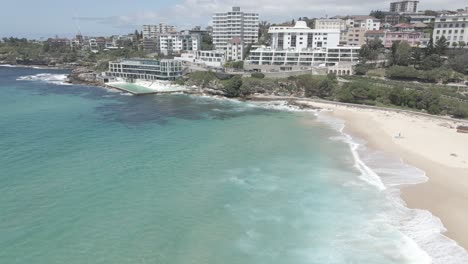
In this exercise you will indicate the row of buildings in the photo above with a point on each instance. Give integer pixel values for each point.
(333, 42)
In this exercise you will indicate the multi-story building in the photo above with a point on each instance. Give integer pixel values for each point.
(413, 38)
(235, 24)
(59, 42)
(300, 37)
(391, 18)
(145, 69)
(298, 47)
(268, 59)
(330, 23)
(235, 50)
(453, 27)
(421, 19)
(153, 31)
(151, 44)
(175, 43)
(404, 7)
(367, 22)
(210, 58)
(354, 37)
(375, 34)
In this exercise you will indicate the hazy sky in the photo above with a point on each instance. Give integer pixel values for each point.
(44, 18)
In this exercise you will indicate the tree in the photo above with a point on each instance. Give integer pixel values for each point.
(461, 44)
(232, 86)
(441, 45)
(454, 44)
(430, 47)
(431, 101)
(327, 85)
(371, 50)
(401, 53)
(431, 62)
(459, 63)
(263, 36)
(207, 42)
(377, 14)
(417, 55)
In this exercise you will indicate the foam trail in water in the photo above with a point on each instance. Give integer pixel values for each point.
(59, 79)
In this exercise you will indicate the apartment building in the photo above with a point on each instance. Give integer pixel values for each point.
(298, 47)
(153, 31)
(367, 22)
(404, 7)
(375, 34)
(391, 18)
(413, 38)
(355, 37)
(175, 43)
(268, 59)
(330, 24)
(210, 58)
(235, 24)
(235, 50)
(300, 37)
(145, 69)
(453, 27)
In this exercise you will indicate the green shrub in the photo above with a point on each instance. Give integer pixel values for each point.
(232, 86)
(257, 75)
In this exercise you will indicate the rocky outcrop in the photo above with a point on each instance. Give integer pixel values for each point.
(83, 75)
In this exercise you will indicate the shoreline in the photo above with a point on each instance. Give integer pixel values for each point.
(444, 194)
(39, 67)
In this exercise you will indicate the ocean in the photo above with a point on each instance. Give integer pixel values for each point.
(91, 175)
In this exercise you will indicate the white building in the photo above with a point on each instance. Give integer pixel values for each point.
(453, 27)
(367, 22)
(299, 47)
(210, 58)
(235, 24)
(300, 37)
(153, 31)
(330, 23)
(268, 59)
(145, 69)
(235, 50)
(176, 43)
(404, 7)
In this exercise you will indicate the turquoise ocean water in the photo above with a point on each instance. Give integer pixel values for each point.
(89, 175)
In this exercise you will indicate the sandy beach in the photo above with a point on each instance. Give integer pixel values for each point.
(428, 143)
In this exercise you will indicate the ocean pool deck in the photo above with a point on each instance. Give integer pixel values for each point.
(137, 89)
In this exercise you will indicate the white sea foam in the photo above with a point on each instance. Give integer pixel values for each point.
(422, 231)
(59, 79)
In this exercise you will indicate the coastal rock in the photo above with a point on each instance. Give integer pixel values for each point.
(210, 91)
(83, 75)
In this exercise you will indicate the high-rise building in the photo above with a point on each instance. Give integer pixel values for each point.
(235, 24)
(153, 31)
(404, 7)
